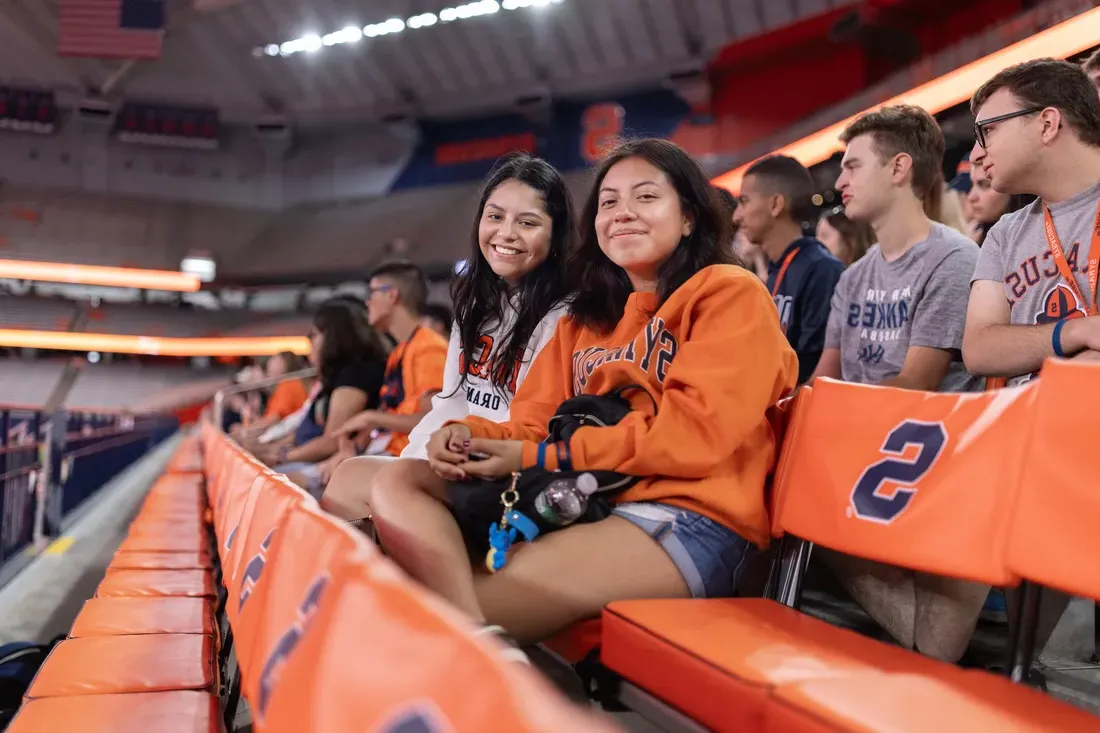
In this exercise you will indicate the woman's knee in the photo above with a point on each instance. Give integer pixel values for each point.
(392, 483)
(347, 494)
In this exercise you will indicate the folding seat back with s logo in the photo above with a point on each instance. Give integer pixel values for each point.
(1054, 537)
(368, 650)
(923, 480)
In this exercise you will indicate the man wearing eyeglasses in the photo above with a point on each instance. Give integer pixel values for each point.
(1037, 132)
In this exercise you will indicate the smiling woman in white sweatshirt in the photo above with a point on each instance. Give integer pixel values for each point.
(507, 305)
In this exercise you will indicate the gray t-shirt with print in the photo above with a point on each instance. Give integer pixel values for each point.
(1016, 253)
(881, 308)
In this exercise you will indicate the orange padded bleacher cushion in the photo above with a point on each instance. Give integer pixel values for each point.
(186, 711)
(168, 543)
(155, 529)
(161, 561)
(717, 660)
(906, 703)
(126, 616)
(154, 583)
(101, 665)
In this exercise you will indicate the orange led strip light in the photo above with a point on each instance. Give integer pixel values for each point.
(153, 345)
(114, 277)
(1061, 41)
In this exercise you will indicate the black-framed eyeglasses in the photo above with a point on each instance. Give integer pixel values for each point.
(980, 125)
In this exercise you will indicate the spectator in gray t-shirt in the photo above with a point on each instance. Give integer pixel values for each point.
(1039, 133)
(897, 319)
(881, 309)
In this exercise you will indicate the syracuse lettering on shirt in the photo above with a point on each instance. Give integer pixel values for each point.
(655, 341)
(1059, 300)
(482, 369)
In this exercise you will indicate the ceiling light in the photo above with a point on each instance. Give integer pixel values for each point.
(312, 43)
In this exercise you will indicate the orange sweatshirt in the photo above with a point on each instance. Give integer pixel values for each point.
(713, 357)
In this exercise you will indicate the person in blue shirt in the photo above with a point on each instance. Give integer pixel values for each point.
(776, 211)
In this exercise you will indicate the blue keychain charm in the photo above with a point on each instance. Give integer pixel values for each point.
(503, 534)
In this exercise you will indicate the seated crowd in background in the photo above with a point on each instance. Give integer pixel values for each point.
(648, 288)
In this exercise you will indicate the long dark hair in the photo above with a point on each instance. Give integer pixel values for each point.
(603, 286)
(477, 291)
(348, 338)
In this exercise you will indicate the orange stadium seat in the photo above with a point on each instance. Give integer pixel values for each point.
(188, 711)
(426, 672)
(187, 458)
(278, 509)
(156, 583)
(912, 703)
(162, 561)
(100, 665)
(848, 480)
(139, 616)
(1056, 520)
(269, 596)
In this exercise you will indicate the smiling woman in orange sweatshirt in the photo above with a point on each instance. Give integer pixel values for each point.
(662, 303)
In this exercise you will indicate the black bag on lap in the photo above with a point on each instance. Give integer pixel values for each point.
(477, 504)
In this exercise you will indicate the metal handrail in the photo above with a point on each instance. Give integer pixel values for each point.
(221, 394)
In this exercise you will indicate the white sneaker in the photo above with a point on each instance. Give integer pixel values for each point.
(506, 645)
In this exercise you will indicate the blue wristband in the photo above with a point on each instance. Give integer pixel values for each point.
(541, 461)
(1056, 338)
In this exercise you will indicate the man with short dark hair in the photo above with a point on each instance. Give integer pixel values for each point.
(775, 209)
(1033, 295)
(897, 319)
(1038, 132)
(397, 296)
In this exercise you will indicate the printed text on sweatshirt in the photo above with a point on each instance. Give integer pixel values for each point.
(713, 357)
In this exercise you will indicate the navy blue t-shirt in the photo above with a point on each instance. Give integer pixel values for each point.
(803, 296)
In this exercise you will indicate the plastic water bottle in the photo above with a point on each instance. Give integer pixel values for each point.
(564, 501)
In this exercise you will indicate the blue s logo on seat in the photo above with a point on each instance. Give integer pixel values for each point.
(885, 488)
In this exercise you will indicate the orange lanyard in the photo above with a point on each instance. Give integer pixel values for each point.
(1063, 266)
(783, 270)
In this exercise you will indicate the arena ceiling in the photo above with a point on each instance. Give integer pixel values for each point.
(214, 53)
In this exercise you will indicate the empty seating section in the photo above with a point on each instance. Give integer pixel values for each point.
(231, 579)
(131, 319)
(28, 382)
(134, 385)
(33, 313)
(36, 314)
(101, 229)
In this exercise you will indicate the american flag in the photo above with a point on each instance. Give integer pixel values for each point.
(119, 29)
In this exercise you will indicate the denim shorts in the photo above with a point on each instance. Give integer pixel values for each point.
(710, 556)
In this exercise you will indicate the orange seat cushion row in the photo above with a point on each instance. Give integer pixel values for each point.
(162, 561)
(101, 665)
(185, 711)
(167, 543)
(718, 660)
(907, 703)
(155, 583)
(135, 616)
